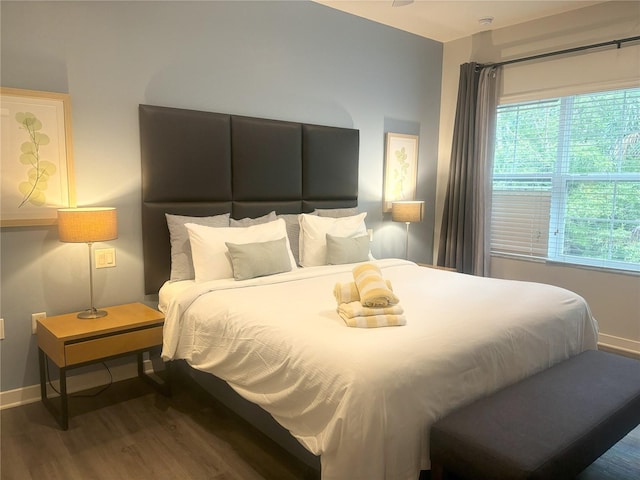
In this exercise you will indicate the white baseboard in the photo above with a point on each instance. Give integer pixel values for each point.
(618, 344)
(75, 383)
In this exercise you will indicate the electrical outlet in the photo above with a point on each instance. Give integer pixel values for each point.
(1, 328)
(34, 320)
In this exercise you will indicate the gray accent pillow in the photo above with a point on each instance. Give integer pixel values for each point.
(342, 250)
(293, 232)
(181, 259)
(247, 222)
(250, 260)
(336, 212)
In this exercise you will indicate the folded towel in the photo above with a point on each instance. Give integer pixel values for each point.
(348, 292)
(356, 309)
(372, 321)
(372, 288)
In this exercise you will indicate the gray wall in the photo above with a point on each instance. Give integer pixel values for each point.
(296, 61)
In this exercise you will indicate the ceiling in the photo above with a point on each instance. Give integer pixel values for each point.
(445, 21)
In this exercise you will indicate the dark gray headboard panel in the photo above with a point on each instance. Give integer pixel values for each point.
(202, 163)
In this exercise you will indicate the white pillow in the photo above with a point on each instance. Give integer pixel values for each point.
(292, 221)
(313, 235)
(211, 259)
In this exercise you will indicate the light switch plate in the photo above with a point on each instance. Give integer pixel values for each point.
(105, 257)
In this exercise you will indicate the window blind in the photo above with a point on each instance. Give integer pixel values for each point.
(566, 179)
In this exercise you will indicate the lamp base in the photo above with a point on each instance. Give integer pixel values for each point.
(92, 313)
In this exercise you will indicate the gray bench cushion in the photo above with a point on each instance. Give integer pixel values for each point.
(549, 426)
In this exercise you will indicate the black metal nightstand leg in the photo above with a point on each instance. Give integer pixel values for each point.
(62, 415)
(64, 401)
(43, 376)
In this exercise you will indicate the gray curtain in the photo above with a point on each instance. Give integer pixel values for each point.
(465, 236)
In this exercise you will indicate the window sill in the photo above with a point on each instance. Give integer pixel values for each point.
(578, 266)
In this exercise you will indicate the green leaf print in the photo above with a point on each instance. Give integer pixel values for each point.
(33, 189)
(400, 173)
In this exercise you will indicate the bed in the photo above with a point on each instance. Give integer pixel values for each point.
(360, 399)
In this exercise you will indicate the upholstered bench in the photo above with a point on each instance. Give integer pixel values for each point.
(549, 426)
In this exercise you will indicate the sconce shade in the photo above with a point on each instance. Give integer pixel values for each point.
(407, 211)
(85, 225)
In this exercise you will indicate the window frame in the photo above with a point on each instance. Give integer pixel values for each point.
(560, 179)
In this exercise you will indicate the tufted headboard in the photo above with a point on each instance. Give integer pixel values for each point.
(202, 163)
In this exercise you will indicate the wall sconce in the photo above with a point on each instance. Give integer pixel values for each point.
(88, 225)
(407, 212)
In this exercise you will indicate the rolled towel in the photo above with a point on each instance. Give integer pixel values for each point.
(372, 288)
(348, 292)
(356, 309)
(373, 321)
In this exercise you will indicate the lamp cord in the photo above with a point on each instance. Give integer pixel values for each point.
(105, 387)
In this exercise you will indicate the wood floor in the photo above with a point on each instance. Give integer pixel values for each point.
(132, 432)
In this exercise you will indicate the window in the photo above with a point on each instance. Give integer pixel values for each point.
(566, 179)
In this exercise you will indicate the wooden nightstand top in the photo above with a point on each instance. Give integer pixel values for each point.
(121, 317)
(69, 340)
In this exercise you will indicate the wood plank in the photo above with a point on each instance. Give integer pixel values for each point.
(51, 345)
(130, 431)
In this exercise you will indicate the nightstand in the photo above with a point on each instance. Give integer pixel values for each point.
(71, 342)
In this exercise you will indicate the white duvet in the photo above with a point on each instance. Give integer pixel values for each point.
(364, 399)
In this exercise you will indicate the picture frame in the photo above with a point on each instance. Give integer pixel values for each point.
(401, 168)
(36, 160)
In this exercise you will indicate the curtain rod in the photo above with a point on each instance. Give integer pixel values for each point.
(618, 44)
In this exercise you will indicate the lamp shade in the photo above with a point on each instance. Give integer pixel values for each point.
(84, 225)
(407, 211)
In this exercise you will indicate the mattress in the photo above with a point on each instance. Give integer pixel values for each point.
(363, 399)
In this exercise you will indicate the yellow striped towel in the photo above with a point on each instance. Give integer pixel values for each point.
(348, 292)
(356, 309)
(372, 321)
(372, 288)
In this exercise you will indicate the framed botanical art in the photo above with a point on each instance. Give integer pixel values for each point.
(401, 167)
(36, 160)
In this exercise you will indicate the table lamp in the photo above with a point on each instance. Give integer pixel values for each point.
(88, 225)
(408, 211)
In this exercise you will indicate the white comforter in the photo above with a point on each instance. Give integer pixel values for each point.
(364, 399)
